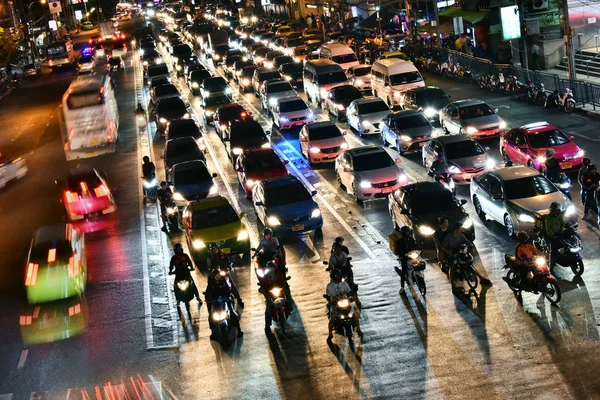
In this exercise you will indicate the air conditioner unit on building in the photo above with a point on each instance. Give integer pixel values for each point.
(539, 5)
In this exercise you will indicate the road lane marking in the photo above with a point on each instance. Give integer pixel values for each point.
(583, 136)
(22, 359)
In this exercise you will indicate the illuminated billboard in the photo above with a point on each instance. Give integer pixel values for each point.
(511, 24)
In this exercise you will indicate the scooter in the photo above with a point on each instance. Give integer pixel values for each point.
(416, 267)
(344, 322)
(172, 215)
(568, 254)
(220, 319)
(537, 94)
(464, 270)
(540, 280)
(445, 179)
(184, 292)
(347, 276)
(150, 187)
(279, 311)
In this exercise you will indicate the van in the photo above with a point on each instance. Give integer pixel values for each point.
(392, 77)
(339, 53)
(320, 76)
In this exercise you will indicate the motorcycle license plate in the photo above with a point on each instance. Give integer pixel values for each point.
(297, 228)
(566, 165)
(226, 251)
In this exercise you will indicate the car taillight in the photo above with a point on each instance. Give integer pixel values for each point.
(101, 190)
(73, 266)
(25, 320)
(71, 197)
(32, 271)
(76, 309)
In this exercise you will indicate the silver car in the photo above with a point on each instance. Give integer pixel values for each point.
(513, 195)
(273, 90)
(406, 130)
(365, 115)
(464, 156)
(473, 117)
(360, 77)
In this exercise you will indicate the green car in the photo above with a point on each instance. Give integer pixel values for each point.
(87, 26)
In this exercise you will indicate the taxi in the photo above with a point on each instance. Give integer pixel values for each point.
(215, 220)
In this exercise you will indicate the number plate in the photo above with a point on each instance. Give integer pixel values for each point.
(226, 251)
(566, 165)
(94, 142)
(297, 228)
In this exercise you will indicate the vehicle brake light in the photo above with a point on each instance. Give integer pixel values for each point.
(73, 267)
(25, 320)
(101, 191)
(51, 255)
(50, 63)
(244, 114)
(84, 187)
(71, 197)
(76, 309)
(31, 278)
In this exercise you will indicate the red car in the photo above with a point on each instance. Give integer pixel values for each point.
(227, 113)
(257, 164)
(86, 195)
(527, 145)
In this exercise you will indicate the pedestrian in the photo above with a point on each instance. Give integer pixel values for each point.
(581, 177)
(590, 185)
(309, 21)
(536, 54)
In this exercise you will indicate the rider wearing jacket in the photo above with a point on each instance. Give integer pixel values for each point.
(269, 244)
(338, 288)
(274, 277)
(555, 225)
(439, 167)
(148, 168)
(165, 196)
(405, 245)
(218, 287)
(581, 175)
(220, 261)
(553, 169)
(181, 266)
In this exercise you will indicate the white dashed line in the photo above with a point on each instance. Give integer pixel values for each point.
(22, 359)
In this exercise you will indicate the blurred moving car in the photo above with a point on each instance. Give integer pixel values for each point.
(86, 195)
(11, 169)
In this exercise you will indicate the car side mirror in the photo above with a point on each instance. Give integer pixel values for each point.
(487, 148)
(259, 204)
(463, 202)
(572, 137)
(496, 111)
(313, 193)
(243, 214)
(347, 169)
(185, 226)
(286, 162)
(214, 175)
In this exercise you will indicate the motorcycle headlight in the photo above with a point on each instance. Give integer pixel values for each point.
(213, 190)
(171, 210)
(227, 90)
(219, 315)
(316, 213)
(405, 138)
(186, 115)
(237, 151)
(275, 291)
(273, 221)
(365, 184)
(575, 249)
(468, 223)
(540, 261)
(525, 218)
(198, 244)
(145, 63)
(570, 210)
(340, 107)
(343, 303)
(454, 169)
(564, 185)
(243, 235)
(413, 255)
(149, 184)
(178, 67)
(429, 112)
(208, 113)
(183, 285)
(323, 92)
(238, 73)
(141, 52)
(216, 56)
(260, 272)
(195, 85)
(250, 183)
(541, 159)
(425, 230)
(162, 120)
(246, 82)
(178, 197)
(471, 130)
(266, 146)
(502, 125)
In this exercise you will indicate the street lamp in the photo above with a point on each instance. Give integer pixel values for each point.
(30, 35)
(379, 21)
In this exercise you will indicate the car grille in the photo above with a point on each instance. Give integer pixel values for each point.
(384, 184)
(331, 150)
(376, 125)
(295, 220)
(380, 195)
(474, 170)
(492, 128)
(297, 119)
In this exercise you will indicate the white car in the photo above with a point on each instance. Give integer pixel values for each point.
(360, 77)
(11, 169)
(86, 65)
(273, 90)
(322, 142)
(291, 111)
(365, 115)
(369, 172)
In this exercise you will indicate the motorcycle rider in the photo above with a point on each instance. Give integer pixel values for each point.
(340, 240)
(590, 184)
(181, 266)
(439, 167)
(148, 170)
(217, 259)
(336, 288)
(274, 277)
(553, 169)
(581, 174)
(438, 238)
(269, 244)
(338, 259)
(216, 287)
(555, 224)
(165, 195)
(405, 244)
(525, 254)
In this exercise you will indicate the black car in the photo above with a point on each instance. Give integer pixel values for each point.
(419, 205)
(163, 91)
(115, 64)
(244, 134)
(169, 109)
(218, 52)
(215, 84)
(245, 78)
(237, 68)
(190, 63)
(282, 60)
(339, 98)
(186, 128)
(146, 47)
(228, 64)
(428, 99)
(195, 79)
(150, 57)
(292, 73)
(159, 82)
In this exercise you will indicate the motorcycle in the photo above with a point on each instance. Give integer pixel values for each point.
(540, 280)
(501, 86)
(564, 101)
(563, 183)
(537, 94)
(220, 317)
(140, 116)
(347, 276)
(416, 267)
(568, 254)
(172, 216)
(184, 293)
(515, 87)
(464, 270)
(344, 322)
(445, 179)
(151, 187)
(279, 311)
(260, 265)
(484, 81)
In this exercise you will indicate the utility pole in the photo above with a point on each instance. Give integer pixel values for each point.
(437, 24)
(568, 39)
(523, 40)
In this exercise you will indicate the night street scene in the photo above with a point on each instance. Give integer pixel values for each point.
(299, 199)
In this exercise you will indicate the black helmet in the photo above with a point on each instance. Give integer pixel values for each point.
(163, 183)
(268, 231)
(178, 249)
(555, 208)
(214, 245)
(522, 237)
(586, 161)
(146, 159)
(336, 246)
(336, 275)
(339, 239)
(405, 231)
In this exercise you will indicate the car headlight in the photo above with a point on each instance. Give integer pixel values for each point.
(284, 119)
(343, 303)
(340, 107)
(570, 210)
(564, 185)
(195, 85)
(272, 102)
(208, 113)
(541, 159)
(365, 184)
(214, 189)
(468, 223)
(178, 67)
(266, 146)
(250, 183)
(243, 235)
(237, 151)
(198, 244)
(246, 82)
(314, 150)
(186, 115)
(316, 213)
(502, 125)
(579, 154)
(183, 285)
(490, 163)
(310, 115)
(273, 221)
(260, 272)
(471, 129)
(454, 169)
(162, 120)
(297, 59)
(227, 90)
(425, 230)
(275, 291)
(344, 145)
(429, 112)
(359, 82)
(405, 138)
(149, 184)
(219, 315)
(171, 210)
(288, 78)
(525, 218)
(178, 197)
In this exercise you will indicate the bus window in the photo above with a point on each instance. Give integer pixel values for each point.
(84, 99)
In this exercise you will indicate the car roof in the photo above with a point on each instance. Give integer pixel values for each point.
(183, 123)
(361, 66)
(359, 151)
(516, 172)
(280, 181)
(538, 127)
(467, 102)
(180, 141)
(282, 100)
(405, 113)
(423, 89)
(47, 235)
(320, 124)
(425, 188)
(445, 139)
(187, 165)
(369, 99)
(209, 202)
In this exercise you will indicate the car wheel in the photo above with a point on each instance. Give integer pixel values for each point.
(355, 194)
(508, 224)
(478, 209)
(399, 148)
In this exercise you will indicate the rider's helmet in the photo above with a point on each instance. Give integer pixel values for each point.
(405, 231)
(337, 246)
(268, 231)
(586, 161)
(522, 237)
(215, 246)
(178, 249)
(336, 275)
(146, 159)
(555, 208)
(550, 153)
(339, 239)
(163, 184)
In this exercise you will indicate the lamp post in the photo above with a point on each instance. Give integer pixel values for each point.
(29, 35)
(379, 21)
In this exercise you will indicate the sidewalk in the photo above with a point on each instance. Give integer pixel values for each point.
(588, 109)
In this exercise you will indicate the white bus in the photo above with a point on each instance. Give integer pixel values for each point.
(89, 117)
(60, 54)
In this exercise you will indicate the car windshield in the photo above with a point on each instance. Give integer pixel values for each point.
(118, 45)
(268, 75)
(462, 149)
(165, 90)
(324, 132)
(262, 161)
(530, 186)
(248, 71)
(292, 68)
(347, 93)
(232, 59)
(295, 105)
(229, 112)
(215, 216)
(158, 70)
(86, 59)
(407, 77)
(369, 162)
(217, 99)
(344, 58)
(372, 107)
(280, 87)
(411, 121)
(476, 111)
(332, 77)
(362, 71)
(191, 176)
(548, 138)
(286, 194)
(295, 42)
(183, 128)
(200, 75)
(441, 202)
(182, 147)
(215, 84)
(282, 60)
(432, 96)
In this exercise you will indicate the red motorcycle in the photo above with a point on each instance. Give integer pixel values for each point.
(539, 280)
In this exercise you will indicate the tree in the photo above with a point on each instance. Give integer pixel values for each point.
(10, 46)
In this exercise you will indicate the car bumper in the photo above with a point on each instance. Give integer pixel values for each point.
(487, 133)
(415, 144)
(311, 224)
(324, 157)
(291, 124)
(379, 193)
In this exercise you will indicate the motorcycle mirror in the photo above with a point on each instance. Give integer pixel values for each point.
(259, 204)
(313, 193)
(496, 111)
(240, 169)
(349, 259)
(288, 278)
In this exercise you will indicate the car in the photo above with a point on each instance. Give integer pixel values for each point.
(527, 145)
(279, 61)
(227, 113)
(322, 142)
(119, 49)
(145, 47)
(169, 109)
(406, 130)
(257, 164)
(245, 77)
(164, 92)
(292, 72)
(394, 54)
(286, 206)
(230, 57)
(86, 65)
(514, 195)
(213, 85)
(289, 44)
(195, 80)
(180, 64)
(11, 169)
(191, 180)
(419, 205)
(301, 53)
(261, 75)
(32, 69)
(313, 42)
(191, 64)
(274, 89)
(186, 128)
(360, 77)
(369, 172)
(215, 220)
(115, 64)
(270, 57)
(252, 47)
(291, 111)
(87, 26)
(465, 157)
(158, 83)
(56, 266)
(86, 195)
(473, 117)
(236, 69)
(266, 37)
(181, 50)
(181, 150)
(211, 103)
(100, 52)
(218, 52)
(244, 134)
(427, 99)
(365, 115)
(258, 55)
(339, 98)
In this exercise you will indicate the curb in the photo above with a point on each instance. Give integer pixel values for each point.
(590, 113)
